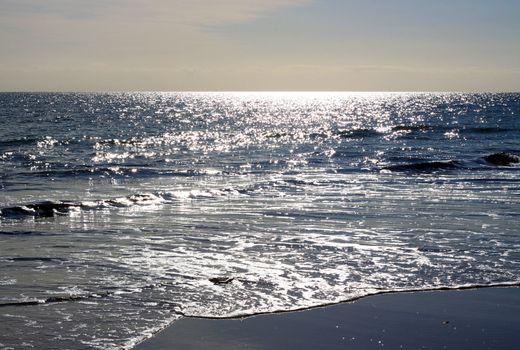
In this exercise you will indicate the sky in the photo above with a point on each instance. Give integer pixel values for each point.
(223, 45)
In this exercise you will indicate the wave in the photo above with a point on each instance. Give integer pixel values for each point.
(223, 281)
(376, 131)
(357, 133)
(26, 233)
(495, 159)
(18, 142)
(425, 166)
(50, 209)
(55, 299)
(353, 133)
(443, 128)
(82, 296)
(117, 170)
(42, 209)
(321, 133)
(37, 258)
(417, 127)
(502, 159)
(486, 130)
(461, 287)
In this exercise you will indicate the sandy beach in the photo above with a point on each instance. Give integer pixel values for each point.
(486, 318)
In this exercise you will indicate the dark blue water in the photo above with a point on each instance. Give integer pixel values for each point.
(120, 212)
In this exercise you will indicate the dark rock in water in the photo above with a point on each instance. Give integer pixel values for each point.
(221, 280)
(502, 159)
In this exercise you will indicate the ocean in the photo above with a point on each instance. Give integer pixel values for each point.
(123, 212)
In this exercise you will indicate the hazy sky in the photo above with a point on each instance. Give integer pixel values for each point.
(398, 45)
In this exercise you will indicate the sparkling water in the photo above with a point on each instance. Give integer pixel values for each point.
(123, 212)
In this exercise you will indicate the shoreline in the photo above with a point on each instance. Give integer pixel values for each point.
(463, 318)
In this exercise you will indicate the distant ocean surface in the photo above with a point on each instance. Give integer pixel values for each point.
(122, 212)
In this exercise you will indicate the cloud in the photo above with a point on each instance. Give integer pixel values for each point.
(122, 31)
(197, 12)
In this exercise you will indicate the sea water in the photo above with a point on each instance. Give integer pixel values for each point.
(122, 212)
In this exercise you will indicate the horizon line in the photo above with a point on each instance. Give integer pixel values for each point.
(264, 91)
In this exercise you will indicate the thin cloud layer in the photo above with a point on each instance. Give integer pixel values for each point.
(258, 45)
(120, 34)
(198, 12)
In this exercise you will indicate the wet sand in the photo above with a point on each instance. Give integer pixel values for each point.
(486, 318)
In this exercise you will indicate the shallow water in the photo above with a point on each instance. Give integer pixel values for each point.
(118, 209)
